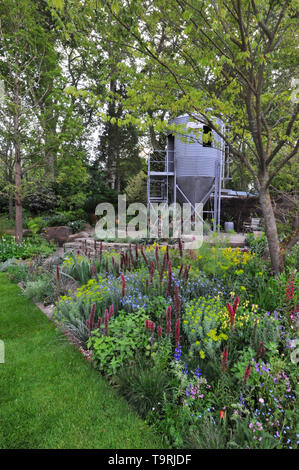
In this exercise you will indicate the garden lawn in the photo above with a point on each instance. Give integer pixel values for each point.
(50, 396)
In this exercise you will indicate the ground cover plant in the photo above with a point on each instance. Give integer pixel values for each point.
(201, 343)
(27, 249)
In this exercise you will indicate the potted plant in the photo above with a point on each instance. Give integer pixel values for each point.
(229, 224)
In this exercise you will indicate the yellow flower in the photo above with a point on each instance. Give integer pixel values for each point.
(202, 354)
(242, 287)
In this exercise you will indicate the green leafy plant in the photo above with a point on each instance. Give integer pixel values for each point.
(127, 335)
(27, 249)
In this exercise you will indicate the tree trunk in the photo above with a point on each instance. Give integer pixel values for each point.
(18, 167)
(271, 229)
(18, 203)
(10, 208)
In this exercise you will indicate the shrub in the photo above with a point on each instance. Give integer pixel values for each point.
(42, 199)
(204, 323)
(35, 224)
(42, 289)
(257, 244)
(27, 249)
(63, 218)
(77, 225)
(126, 337)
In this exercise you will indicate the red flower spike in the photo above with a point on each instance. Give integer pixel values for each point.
(261, 350)
(247, 373)
(136, 252)
(236, 304)
(169, 279)
(168, 313)
(222, 414)
(224, 359)
(111, 311)
(180, 247)
(106, 321)
(157, 255)
(231, 314)
(159, 331)
(177, 331)
(144, 255)
(181, 269)
(90, 321)
(123, 287)
(163, 267)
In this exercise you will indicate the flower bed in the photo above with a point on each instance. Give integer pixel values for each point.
(183, 338)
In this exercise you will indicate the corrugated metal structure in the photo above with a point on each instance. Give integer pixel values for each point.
(190, 170)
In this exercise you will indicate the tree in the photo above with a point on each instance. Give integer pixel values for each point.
(136, 188)
(233, 60)
(23, 48)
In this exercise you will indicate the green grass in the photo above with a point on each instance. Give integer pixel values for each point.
(50, 396)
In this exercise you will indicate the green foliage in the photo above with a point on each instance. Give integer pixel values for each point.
(207, 435)
(42, 289)
(27, 249)
(127, 335)
(40, 200)
(143, 385)
(257, 244)
(202, 324)
(35, 225)
(77, 225)
(136, 188)
(64, 218)
(16, 272)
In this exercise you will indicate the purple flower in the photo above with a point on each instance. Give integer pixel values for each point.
(178, 352)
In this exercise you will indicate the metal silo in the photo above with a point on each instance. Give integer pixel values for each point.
(192, 169)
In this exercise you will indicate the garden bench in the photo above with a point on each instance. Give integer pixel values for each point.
(253, 225)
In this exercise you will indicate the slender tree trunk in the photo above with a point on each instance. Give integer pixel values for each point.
(271, 228)
(18, 168)
(10, 208)
(18, 203)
